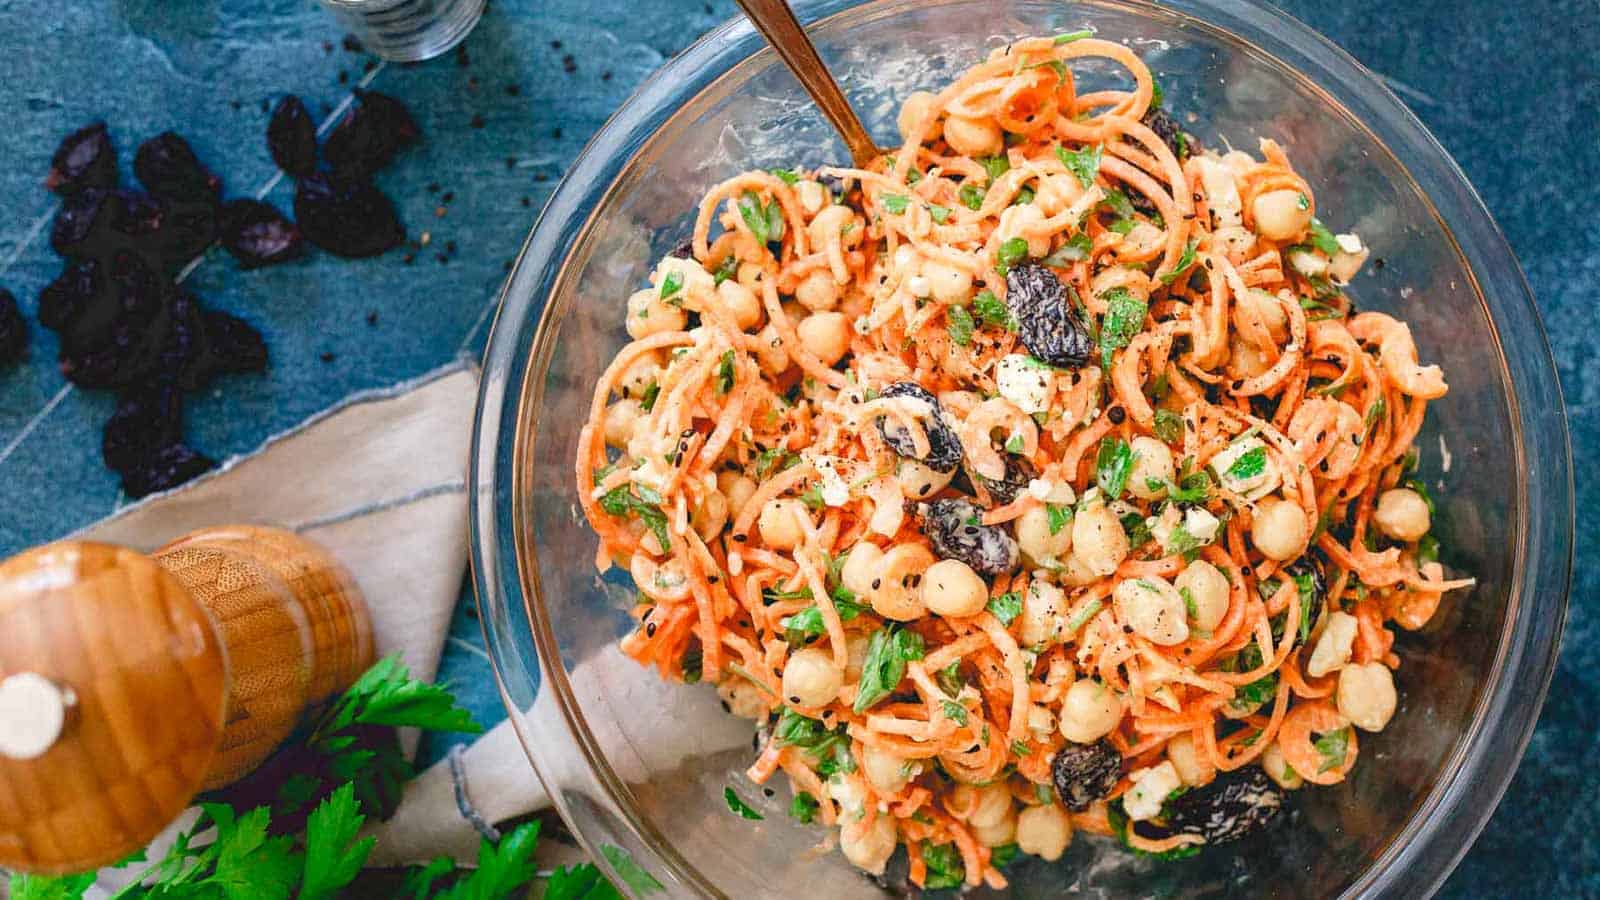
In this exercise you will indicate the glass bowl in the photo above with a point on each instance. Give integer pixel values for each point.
(638, 766)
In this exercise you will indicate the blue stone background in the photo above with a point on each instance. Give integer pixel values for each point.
(1511, 89)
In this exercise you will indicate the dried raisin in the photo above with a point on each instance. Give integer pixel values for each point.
(292, 137)
(85, 159)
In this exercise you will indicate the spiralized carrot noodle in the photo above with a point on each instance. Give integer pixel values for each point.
(1053, 432)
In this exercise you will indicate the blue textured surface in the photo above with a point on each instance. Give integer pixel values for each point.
(1511, 90)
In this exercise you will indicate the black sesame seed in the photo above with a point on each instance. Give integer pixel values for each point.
(1117, 415)
(650, 630)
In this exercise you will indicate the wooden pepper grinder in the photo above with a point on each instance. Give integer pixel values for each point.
(130, 683)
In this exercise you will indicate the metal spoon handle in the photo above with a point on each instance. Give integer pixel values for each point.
(776, 22)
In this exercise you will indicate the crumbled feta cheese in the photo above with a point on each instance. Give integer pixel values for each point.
(918, 285)
(1201, 525)
(1222, 192)
(849, 796)
(1334, 646)
(1150, 789)
(863, 325)
(1349, 243)
(1047, 491)
(1024, 382)
(1308, 263)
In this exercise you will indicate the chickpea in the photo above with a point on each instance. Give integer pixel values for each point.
(1402, 514)
(744, 699)
(1185, 757)
(780, 523)
(913, 111)
(1279, 529)
(1281, 215)
(1098, 540)
(749, 274)
(640, 375)
(817, 291)
(918, 480)
(896, 587)
(869, 848)
(1265, 305)
(737, 488)
(770, 354)
(1074, 573)
(812, 196)
(860, 567)
(709, 515)
(947, 283)
(831, 223)
(825, 335)
(1208, 588)
(1154, 609)
(973, 137)
(856, 644)
(648, 314)
(1244, 359)
(1278, 768)
(810, 678)
(1089, 711)
(1017, 219)
(1057, 192)
(951, 588)
(1000, 833)
(885, 771)
(1152, 461)
(981, 804)
(1334, 645)
(1044, 831)
(1367, 696)
(621, 417)
(1044, 608)
(740, 304)
(1036, 541)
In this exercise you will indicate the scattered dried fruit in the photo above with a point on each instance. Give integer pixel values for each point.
(292, 137)
(944, 447)
(85, 159)
(1004, 490)
(13, 330)
(346, 216)
(1084, 773)
(83, 215)
(62, 301)
(1049, 327)
(955, 530)
(164, 470)
(258, 235)
(1234, 805)
(148, 418)
(370, 134)
(167, 167)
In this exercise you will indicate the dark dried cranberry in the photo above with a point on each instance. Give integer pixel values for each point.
(82, 223)
(292, 137)
(258, 235)
(1004, 490)
(1180, 142)
(84, 160)
(149, 417)
(1049, 327)
(168, 168)
(346, 217)
(1234, 805)
(944, 447)
(955, 530)
(64, 300)
(1084, 773)
(164, 470)
(370, 134)
(13, 330)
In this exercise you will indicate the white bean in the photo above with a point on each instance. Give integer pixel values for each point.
(825, 335)
(918, 480)
(1281, 215)
(860, 567)
(1098, 540)
(1037, 542)
(621, 417)
(1043, 617)
(1333, 646)
(648, 314)
(1278, 768)
(1152, 468)
(896, 588)
(869, 848)
(885, 771)
(738, 488)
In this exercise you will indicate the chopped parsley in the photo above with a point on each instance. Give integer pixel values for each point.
(1248, 466)
(995, 166)
(727, 269)
(972, 196)
(803, 808)
(672, 284)
(725, 373)
(1422, 491)
(1070, 36)
(895, 204)
(774, 460)
(992, 311)
(1059, 515)
(620, 501)
(739, 807)
(1333, 747)
(1076, 248)
(651, 392)
(944, 866)
(954, 711)
(949, 678)
(1188, 603)
(1014, 444)
(1012, 252)
(1168, 426)
(1427, 549)
(1083, 163)
(765, 221)
(959, 323)
(1113, 464)
(832, 748)
(1021, 748)
(940, 214)
(1184, 262)
(1323, 239)
(788, 176)
(885, 665)
(808, 622)
(1006, 607)
(1124, 318)
(1083, 615)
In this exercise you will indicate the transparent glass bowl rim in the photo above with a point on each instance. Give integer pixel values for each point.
(1475, 776)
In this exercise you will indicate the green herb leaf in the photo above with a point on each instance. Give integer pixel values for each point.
(754, 216)
(1168, 426)
(1014, 444)
(1124, 318)
(1024, 197)
(995, 166)
(41, 887)
(725, 372)
(740, 807)
(1427, 549)
(787, 175)
(672, 284)
(728, 268)
(803, 808)
(387, 695)
(1070, 36)
(940, 214)
(772, 461)
(993, 311)
(1013, 251)
(808, 622)
(972, 196)
(1332, 747)
(1323, 239)
(1060, 516)
(895, 203)
(944, 867)
(1184, 262)
(949, 678)
(1084, 163)
(1248, 466)
(1076, 248)
(1005, 607)
(959, 323)
(333, 854)
(1083, 615)
(1156, 94)
(1117, 203)
(651, 392)
(831, 748)
(1021, 748)
(954, 711)
(1113, 465)
(888, 651)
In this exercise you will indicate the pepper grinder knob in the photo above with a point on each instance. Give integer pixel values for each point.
(131, 683)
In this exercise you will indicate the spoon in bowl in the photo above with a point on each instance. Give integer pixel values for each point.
(776, 22)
